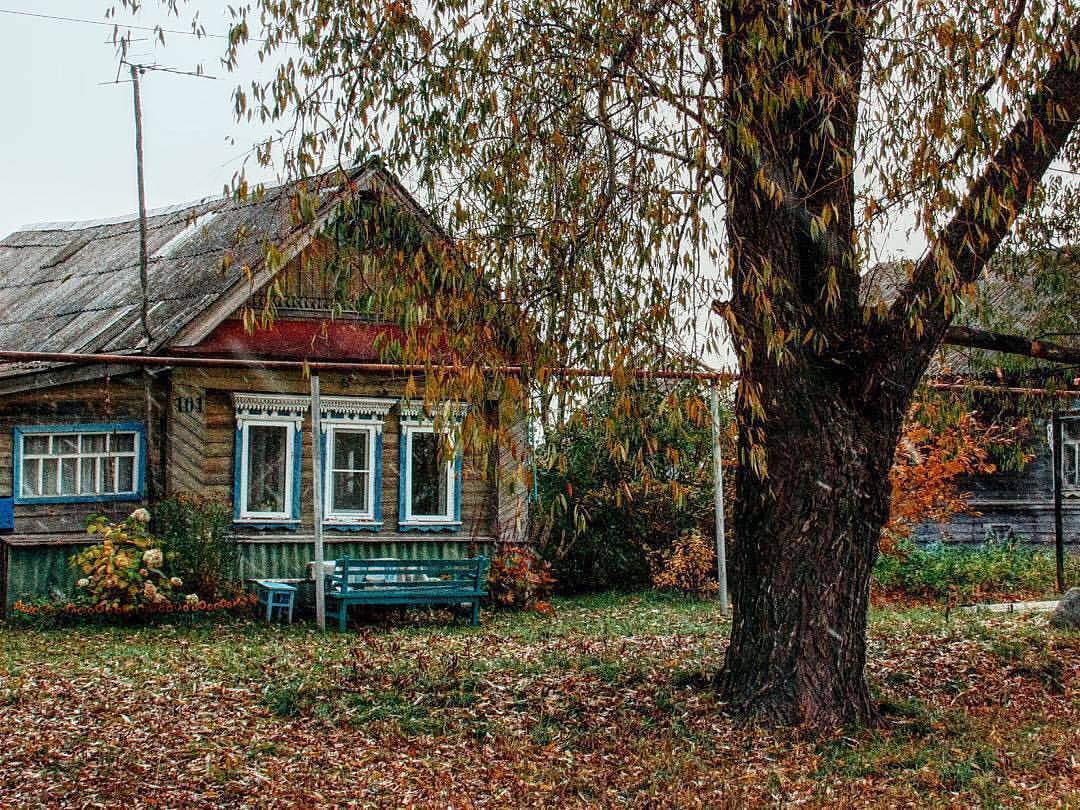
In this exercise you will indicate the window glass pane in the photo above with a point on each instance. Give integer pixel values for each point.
(1069, 463)
(123, 442)
(30, 484)
(108, 474)
(428, 471)
(90, 482)
(125, 470)
(350, 450)
(267, 445)
(50, 476)
(36, 445)
(68, 471)
(350, 492)
(66, 443)
(93, 443)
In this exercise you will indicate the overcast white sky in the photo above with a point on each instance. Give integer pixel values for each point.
(67, 140)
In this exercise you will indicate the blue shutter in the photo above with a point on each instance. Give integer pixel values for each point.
(238, 460)
(457, 486)
(377, 488)
(298, 468)
(401, 476)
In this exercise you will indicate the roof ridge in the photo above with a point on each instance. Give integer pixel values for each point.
(86, 224)
(175, 208)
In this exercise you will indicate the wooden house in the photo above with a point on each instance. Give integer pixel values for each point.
(78, 438)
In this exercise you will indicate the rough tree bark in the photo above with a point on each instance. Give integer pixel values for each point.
(822, 419)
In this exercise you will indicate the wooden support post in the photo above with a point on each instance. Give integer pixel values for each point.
(718, 499)
(1059, 533)
(316, 500)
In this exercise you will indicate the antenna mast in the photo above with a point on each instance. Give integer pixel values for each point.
(144, 273)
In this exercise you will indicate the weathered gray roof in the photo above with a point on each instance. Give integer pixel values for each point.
(74, 286)
(1015, 295)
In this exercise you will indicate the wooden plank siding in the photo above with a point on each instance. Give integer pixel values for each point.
(214, 436)
(512, 478)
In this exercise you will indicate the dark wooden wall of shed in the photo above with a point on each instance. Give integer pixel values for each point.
(201, 445)
(1020, 503)
(117, 399)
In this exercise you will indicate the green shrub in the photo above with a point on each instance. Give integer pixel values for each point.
(196, 536)
(626, 476)
(938, 570)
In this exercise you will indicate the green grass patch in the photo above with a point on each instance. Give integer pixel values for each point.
(611, 699)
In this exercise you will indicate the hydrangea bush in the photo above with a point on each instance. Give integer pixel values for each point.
(126, 568)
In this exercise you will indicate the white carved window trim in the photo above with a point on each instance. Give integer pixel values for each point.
(356, 415)
(268, 410)
(1070, 450)
(415, 420)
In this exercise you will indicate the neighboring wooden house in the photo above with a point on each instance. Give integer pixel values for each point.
(83, 438)
(1034, 296)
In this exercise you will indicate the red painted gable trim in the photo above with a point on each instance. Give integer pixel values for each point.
(297, 339)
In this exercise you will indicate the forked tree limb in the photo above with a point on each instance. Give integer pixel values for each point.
(918, 319)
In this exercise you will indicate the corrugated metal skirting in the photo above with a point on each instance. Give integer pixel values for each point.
(287, 560)
(40, 572)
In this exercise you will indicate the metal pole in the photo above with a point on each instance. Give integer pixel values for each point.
(316, 500)
(334, 365)
(144, 276)
(1059, 534)
(718, 500)
(144, 284)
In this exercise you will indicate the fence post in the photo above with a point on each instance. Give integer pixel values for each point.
(718, 499)
(316, 500)
(1059, 534)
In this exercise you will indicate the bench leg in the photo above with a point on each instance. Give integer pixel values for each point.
(476, 612)
(342, 615)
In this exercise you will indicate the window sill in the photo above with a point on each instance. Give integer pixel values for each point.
(345, 526)
(447, 526)
(256, 523)
(130, 497)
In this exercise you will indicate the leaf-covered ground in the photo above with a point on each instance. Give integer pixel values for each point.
(603, 704)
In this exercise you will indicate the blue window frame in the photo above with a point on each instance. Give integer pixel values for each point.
(80, 463)
(267, 460)
(352, 447)
(429, 482)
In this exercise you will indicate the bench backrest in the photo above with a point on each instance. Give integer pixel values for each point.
(469, 573)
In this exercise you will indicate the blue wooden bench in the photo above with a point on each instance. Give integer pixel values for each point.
(405, 582)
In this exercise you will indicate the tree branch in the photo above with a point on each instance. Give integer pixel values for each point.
(919, 317)
(1011, 344)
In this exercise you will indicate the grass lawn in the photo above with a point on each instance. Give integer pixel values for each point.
(603, 703)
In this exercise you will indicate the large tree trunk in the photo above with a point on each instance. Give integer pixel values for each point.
(823, 391)
(807, 537)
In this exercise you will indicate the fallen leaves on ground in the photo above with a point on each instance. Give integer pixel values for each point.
(606, 703)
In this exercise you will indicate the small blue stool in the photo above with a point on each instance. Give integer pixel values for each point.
(276, 596)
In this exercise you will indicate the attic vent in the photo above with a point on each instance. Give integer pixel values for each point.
(68, 250)
(195, 226)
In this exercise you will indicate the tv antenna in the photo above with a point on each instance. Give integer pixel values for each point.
(136, 70)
